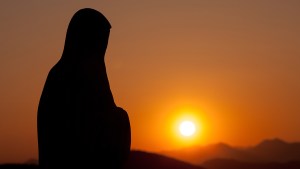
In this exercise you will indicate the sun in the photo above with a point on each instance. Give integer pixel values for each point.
(187, 128)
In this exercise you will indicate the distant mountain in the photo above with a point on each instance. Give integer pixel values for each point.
(144, 160)
(233, 164)
(274, 150)
(197, 155)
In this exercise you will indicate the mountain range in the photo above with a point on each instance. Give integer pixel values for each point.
(273, 150)
(234, 164)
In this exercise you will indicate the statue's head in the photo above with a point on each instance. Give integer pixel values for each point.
(87, 35)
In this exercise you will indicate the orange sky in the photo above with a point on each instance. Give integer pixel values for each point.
(233, 65)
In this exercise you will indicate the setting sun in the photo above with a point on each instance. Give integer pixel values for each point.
(187, 128)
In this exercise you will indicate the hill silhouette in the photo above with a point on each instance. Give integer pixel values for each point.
(273, 150)
(277, 150)
(137, 160)
(234, 164)
(18, 166)
(145, 160)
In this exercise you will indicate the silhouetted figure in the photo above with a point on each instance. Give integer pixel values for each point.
(79, 124)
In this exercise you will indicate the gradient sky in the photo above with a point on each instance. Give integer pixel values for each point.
(233, 65)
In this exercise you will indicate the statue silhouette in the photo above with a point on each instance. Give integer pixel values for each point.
(79, 124)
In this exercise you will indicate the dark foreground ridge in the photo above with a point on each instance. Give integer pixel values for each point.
(18, 166)
(137, 160)
(145, 160)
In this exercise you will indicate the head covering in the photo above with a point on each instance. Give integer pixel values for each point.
(87, 35)
(83, 56)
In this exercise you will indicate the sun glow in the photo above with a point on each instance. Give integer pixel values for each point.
(187, 128)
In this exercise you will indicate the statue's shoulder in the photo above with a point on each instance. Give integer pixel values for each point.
(121, 112)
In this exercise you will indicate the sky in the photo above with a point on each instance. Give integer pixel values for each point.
(230, 66)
